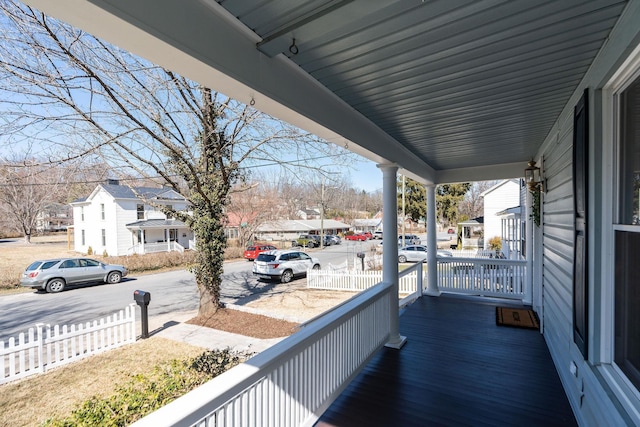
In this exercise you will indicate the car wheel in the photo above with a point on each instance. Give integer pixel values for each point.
(287, 276)
(55, 285)
(114, 277)
(316, 267)
(402, 258)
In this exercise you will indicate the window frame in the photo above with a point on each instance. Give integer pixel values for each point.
(603, 342)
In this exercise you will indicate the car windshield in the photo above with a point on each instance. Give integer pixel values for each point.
(266, 257)
(251, 248)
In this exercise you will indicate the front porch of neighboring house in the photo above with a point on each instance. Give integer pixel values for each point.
(377, 360)
(159, 235)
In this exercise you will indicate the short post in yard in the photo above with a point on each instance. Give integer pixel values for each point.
(143, 298)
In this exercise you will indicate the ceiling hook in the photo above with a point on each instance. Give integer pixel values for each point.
(252, 102)
(293, 48)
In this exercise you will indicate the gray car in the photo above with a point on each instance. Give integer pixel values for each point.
(53, 275)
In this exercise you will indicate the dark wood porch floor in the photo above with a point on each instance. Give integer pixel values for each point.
(458, 368)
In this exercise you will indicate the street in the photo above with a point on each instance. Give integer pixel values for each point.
(173, 291)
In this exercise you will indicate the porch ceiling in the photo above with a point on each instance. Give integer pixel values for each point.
(446, 89)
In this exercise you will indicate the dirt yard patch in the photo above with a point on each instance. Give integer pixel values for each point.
(247, 324)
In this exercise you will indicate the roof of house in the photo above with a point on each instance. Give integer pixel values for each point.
(157, 223)
(118, 191)
(299, 225)
(498, 185)
(126, 192)
(475, 221)
(367, 222)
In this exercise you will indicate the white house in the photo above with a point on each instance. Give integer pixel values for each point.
(499, 215)
(122, 220)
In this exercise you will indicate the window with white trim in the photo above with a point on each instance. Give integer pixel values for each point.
(627, 239)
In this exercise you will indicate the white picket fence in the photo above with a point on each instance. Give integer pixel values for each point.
(45, 347)
(355, 280)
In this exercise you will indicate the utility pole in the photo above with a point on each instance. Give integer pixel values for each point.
(322, 215)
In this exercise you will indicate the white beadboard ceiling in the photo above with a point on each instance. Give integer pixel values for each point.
(433, 85)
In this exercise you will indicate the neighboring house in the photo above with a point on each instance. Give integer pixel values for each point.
(472, 232)
(367, 224)
(287, 230)
(307, 214)
(499, 213)
(121, 220)
(54, 217)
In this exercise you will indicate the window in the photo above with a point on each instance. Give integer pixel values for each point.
(82, 237)
(70, 263)
(81, 213)
(140, 211)
(102, 211)
(627, 239)
(104, 237)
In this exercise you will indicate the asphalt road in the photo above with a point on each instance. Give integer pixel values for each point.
(171, 292)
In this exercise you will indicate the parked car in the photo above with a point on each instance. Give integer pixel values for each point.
(451, 231)
(336, 240)
(328, 241)
(358, 237)
(308, 240)
(377, 235)
(409, 239)
(53, 275)
(418, 253)
(252, 252)
(283, 265)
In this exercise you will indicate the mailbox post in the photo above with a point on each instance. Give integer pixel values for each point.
(361, 255)
(143, 298)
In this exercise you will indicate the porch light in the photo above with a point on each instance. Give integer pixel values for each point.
(533, 177)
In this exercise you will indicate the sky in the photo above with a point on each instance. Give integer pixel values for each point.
(366, 176)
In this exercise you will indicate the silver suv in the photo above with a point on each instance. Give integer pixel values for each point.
(283, 265)
(54, 275)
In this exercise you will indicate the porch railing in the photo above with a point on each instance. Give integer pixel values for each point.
(148, 248)
(475, 276)
(482, 276)
(293, 382)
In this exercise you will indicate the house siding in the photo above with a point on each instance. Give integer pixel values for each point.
(503, 196)
(591, 395)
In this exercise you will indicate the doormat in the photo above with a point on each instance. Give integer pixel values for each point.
(518, 317)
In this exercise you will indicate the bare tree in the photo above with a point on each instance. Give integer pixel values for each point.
(62, 86)
(472, 206)
(27, 189)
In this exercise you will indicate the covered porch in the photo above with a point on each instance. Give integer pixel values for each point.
(457, 368)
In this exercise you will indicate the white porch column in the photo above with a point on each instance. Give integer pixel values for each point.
(432, 243)
(390, 248)
(528, 282)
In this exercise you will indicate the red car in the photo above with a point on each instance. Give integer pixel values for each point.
(252, 252)
(361, 237)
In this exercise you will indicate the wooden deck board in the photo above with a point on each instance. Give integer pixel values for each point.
(458, 368)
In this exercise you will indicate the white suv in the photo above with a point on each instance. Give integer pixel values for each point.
(283, 265)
